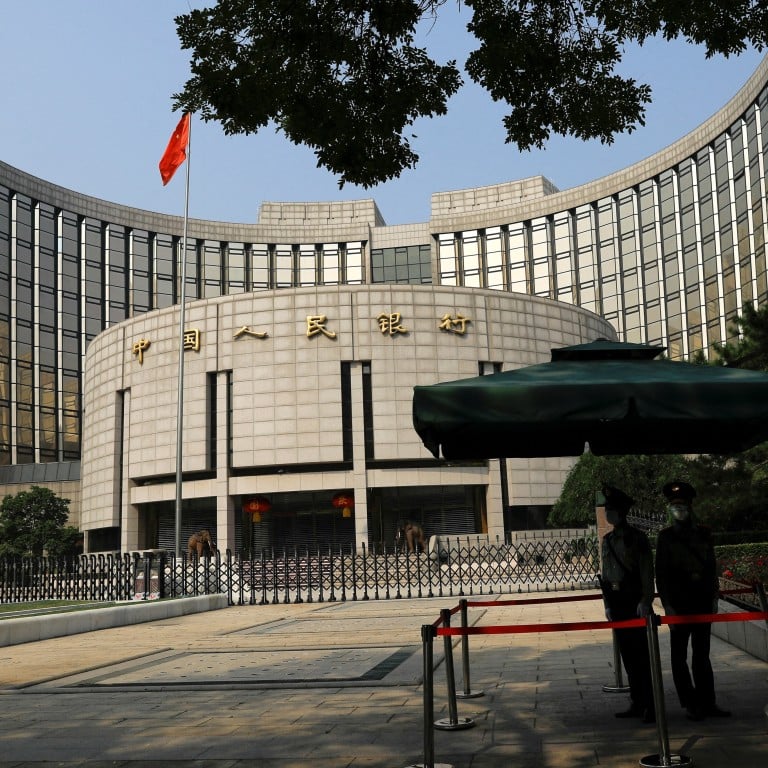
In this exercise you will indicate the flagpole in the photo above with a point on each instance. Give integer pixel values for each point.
(180, 388)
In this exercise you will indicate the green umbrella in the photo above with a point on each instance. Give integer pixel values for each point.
(612, 396)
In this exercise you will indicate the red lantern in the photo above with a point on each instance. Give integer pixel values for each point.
(344, 501)
(256, 506)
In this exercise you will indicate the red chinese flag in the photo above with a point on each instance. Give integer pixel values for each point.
(176, 152)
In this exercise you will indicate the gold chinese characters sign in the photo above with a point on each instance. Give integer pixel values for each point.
(316, 324)
(389, 323)
(139, 348)
(246, 331)
(456, 324)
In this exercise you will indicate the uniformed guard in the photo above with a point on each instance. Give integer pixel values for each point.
(686, 577)
(627, 583)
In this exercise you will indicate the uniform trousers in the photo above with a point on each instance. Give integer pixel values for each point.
(695, 686)
(633, 648)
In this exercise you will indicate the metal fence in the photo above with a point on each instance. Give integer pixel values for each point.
(459, 567)
(648, 522)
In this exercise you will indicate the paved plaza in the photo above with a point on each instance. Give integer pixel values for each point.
(339, 684)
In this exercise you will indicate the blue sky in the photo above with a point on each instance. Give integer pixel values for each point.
(86, 103)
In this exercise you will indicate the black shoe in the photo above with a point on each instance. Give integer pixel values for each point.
(715, 711)
(633, 711)
(694, 713)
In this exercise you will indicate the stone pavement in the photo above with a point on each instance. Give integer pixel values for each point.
(339, 684)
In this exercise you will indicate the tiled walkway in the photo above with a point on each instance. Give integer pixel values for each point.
(339, 684)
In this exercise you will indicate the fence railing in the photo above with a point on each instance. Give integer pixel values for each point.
(459, 567)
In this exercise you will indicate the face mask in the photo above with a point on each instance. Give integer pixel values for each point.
(679, 512)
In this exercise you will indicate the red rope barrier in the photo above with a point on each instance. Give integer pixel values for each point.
(715, 618)
(569, 626)
(566, 626)
(439, 620)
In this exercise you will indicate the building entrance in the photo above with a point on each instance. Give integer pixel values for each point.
(448, 510)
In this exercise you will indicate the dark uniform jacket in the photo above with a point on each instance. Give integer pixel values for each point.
(686, 570)
(627, 577)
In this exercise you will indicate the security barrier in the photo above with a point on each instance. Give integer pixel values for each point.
(463, 566)
(442, 628)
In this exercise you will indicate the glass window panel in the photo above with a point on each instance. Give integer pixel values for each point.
(70, 313)
(211, 269)
(5, 225)
(234, 274)
(5, 434)
(667, 202)
(193, 269)
(71, 416)
(494, 258)
(518, 259)
(737, 148)
(307, 265)
(140, 285)
(94, 278)
(353, 264)
(693, 308)
(46, 311)
(607, 249)
(721, 162)
(283, 266)
(46, 242)
(540, 239)
(260, 266)
(685, 181)
(24, 303)
(726, 247)
(330, 264)
(24, 223)
(446, 255)
(584, 228)
(165, 271)
(470, 253)
(24, 256)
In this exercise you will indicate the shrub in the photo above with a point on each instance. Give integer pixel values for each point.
(745, 563)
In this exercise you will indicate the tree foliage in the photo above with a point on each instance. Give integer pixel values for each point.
(348, 79)
(750, 349)
(641, 477)
(727, 498)
(340, 76)
(33, 522)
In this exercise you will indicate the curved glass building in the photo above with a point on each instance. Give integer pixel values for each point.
(667, 251)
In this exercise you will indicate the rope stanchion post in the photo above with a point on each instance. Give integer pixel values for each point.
(467, 693)
(663, 758)
(452, 722)
(618, 686)
(428, 634)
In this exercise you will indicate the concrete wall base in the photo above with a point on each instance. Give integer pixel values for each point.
(750, 636)
(32, 628)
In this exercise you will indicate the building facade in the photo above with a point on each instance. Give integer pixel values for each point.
(300, 400)
(667, 251)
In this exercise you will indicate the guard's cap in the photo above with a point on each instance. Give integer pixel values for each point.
(679, 490)
(617, 499)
